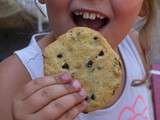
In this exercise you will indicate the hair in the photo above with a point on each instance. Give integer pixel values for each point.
(150, 30)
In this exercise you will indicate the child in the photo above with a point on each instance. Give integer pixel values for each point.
(58, 97)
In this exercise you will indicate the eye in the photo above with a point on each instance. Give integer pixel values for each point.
(93, 97)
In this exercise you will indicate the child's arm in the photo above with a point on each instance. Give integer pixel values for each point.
(36, 100)
(12, 77)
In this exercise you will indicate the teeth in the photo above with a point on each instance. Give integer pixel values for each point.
(92, 16)
(101, 17)
(81, 13)
(87, 15)
(77, 13)
(98, 15)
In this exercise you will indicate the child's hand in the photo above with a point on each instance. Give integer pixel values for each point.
(50, 98)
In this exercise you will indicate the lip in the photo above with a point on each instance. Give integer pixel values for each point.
(92, 11)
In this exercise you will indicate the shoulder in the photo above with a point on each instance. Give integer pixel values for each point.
(13, 72)
(13, 77)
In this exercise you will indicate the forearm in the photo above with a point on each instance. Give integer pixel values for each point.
(5, 113)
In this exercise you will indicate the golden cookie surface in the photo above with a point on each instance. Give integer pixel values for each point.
(87, 56)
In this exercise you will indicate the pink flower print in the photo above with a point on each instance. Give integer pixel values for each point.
(135, 111)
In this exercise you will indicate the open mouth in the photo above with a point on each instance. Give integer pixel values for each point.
(89, 19)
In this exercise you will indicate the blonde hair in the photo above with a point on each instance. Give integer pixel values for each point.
(149, 34)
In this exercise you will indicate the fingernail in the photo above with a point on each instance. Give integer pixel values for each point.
(82, 93)
(84, 103)
(76, 84)
(65, 77)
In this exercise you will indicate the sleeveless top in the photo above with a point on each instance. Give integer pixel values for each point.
(134, 102)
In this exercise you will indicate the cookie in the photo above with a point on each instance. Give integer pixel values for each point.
(88, 57)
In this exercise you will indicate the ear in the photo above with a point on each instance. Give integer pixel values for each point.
(42, 1)
(145, 9)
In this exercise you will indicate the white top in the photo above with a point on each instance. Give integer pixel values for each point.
(134, 103)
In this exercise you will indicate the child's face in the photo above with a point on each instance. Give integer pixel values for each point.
(113, 18)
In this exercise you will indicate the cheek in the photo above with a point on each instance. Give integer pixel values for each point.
(124, 15)
(57, 10)
(57, 5)
(126, 8)
(59, 15)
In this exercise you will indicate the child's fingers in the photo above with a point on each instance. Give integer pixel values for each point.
(45, 95)
(58, 107)
(36, 85)
(74, 112)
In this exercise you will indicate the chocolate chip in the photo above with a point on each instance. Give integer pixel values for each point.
(99, 67)
(95, 38)
(65, 66)
(89, 64)
(59, 55)
(113, 92)
(73, 74)
(93, 97)
(87, 98)
(101, 53)
(116, 62)
(119, 64)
